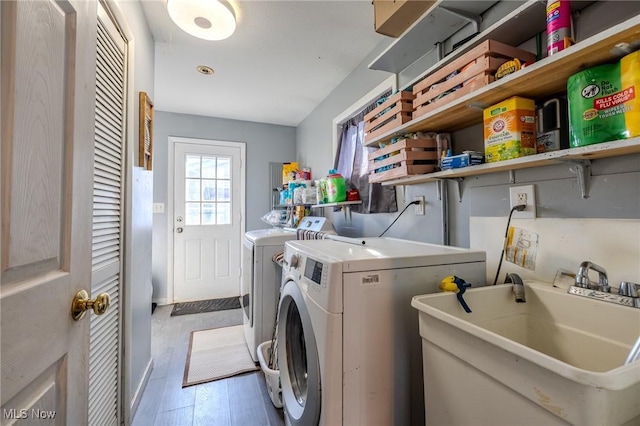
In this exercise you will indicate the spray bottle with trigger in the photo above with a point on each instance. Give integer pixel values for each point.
(558, 26)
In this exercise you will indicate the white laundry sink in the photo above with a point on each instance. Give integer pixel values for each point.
(555, 360)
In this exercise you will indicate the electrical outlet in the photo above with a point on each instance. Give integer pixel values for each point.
(419, 208)
(523, 195)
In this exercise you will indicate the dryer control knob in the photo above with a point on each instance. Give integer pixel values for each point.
(294, 261)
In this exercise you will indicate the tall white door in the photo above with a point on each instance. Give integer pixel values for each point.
(207, 219)
(107, 239)
(47, 119)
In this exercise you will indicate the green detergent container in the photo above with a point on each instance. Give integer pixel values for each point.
(336, 187)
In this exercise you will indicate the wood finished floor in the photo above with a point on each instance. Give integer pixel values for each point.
(237, 401)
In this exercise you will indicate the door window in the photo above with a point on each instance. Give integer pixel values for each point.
(207, 190)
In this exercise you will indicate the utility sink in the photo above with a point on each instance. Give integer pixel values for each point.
(555, 360)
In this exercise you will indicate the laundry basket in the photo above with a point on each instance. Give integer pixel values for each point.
(272, 376)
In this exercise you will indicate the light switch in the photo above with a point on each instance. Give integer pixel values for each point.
(158, 207)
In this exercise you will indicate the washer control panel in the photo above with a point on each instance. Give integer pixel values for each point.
(315, 271)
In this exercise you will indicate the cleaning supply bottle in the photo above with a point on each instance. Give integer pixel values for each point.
(558, 26)
(336, 187)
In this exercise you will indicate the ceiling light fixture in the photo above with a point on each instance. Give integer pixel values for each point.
(206, 19)
(204, 69)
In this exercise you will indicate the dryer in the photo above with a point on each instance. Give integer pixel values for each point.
(349, 350)
(261, 278)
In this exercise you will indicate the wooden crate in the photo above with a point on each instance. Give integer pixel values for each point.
(404, 155)
(475, 70)
(380, 121)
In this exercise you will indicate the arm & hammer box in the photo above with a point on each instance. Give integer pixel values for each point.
(510, 129)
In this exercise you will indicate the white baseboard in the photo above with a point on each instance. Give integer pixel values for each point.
(137, 396)
(162, 302)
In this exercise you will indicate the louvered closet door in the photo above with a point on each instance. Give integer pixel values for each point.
(104, 349)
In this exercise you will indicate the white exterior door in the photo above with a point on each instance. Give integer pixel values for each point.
(207, 219)
(47, 121)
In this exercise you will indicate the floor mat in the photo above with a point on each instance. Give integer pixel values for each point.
(217, 354)
(200, 306)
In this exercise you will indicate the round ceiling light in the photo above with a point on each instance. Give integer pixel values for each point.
(205, 19)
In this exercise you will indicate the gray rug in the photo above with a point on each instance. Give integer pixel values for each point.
(201, 306)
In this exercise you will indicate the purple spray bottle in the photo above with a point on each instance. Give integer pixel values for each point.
(558, 26)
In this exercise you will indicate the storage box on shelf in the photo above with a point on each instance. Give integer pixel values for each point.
(404, 158)
(392, 18)
(392, 113)
(469, 72)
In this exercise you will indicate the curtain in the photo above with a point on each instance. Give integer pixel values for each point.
(352, 163)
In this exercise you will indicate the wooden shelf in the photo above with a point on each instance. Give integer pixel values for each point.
(515, 28)
(544, 78)
(590, 152)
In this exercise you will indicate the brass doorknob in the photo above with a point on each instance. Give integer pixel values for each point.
(81, 303)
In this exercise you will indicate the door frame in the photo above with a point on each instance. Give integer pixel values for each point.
(171, 146)
(130, 399)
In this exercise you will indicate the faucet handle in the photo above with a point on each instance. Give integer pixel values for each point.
(582, 277)
(629, 289)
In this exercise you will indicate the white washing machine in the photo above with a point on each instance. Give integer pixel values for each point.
(349, 350)
(261, 278)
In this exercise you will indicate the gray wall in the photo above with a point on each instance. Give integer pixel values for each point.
(314, 138)
(265, 143)
(615, 186)
(138, 218)
(314, 135)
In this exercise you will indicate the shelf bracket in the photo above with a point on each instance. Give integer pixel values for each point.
(512, 176)
(459, 180)
(582, 169)
(471, 17)
(347, 214)
(440, 50)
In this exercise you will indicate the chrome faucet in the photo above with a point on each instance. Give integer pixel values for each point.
(518, 287)
(582, 277)
(628, 294)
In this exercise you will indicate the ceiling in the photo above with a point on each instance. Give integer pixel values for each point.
(284, 58)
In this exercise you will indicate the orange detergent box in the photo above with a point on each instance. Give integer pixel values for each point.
(509, 129)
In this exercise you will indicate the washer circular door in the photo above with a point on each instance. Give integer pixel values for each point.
(298, 359)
